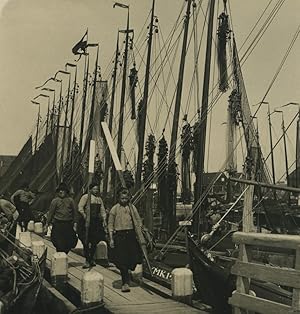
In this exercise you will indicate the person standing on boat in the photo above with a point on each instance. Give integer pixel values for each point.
(63, 216)
(122, 221)
(97, 226)
(8, 218)
(22, 199)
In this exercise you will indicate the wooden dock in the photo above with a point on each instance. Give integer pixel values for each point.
(139, 300)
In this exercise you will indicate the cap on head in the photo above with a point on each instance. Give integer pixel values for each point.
(93, 184)
(62, 187)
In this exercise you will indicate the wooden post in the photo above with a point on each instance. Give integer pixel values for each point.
(101, 253)
(59, 268)
(182, 285)
(92, 289)
(296, 292)
(248, 211)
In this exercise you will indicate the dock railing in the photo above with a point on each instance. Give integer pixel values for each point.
(242, 300)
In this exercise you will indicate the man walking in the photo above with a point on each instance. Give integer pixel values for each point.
(63, 216)
(91, 230)
(122, 222)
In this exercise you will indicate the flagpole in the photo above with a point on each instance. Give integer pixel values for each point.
(83, 106)
(123, 90)
(111, 114)
(73, 106)
(37, 125)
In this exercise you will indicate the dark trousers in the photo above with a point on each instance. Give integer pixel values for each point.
(89, 251)
(124, 274)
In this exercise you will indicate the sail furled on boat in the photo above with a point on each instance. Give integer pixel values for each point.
(186, 149)
(162, 186)
(133, 79)
(223, 37)
(250, 132)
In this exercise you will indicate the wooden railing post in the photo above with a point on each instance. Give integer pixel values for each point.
(296, 292)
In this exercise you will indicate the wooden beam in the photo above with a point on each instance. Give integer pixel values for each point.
(258, 305)
(111, 146)
(279, 275)
(270, 240)
(266, 185)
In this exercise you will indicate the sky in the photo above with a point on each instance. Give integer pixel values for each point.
(36, 37)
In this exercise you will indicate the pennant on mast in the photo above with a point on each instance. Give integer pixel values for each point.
(80, 47)
(121, 5)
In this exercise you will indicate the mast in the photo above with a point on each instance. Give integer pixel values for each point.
(285, 156)
(37, 128)
(57, 126)
(90, 125)
(143, 108)
(203, 120)
(48, 116)
(72, 110)
(271, 147)
(85, 86)
(65, 124)
(172, 162)
(111, 114)
(123, 90)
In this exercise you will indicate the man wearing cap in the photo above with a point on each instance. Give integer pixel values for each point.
(123, 221)
(93, 232)
(63, 215)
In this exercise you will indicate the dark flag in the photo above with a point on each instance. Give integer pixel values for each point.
(80, 47)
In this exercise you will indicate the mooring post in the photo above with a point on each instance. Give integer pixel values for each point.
(182, 285)
(92, 289)
(59, 268)
(101, 253)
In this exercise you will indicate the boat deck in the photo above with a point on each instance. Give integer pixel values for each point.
(139, 300)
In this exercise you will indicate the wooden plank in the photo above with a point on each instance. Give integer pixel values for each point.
(282, 276)
(258, 305)
(296, 292)
(272, 240)
(248, 210)
(170, 307)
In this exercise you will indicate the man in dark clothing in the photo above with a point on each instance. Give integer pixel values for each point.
(22, 199)
(92, 234)
(63, 216)
(122, 222)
